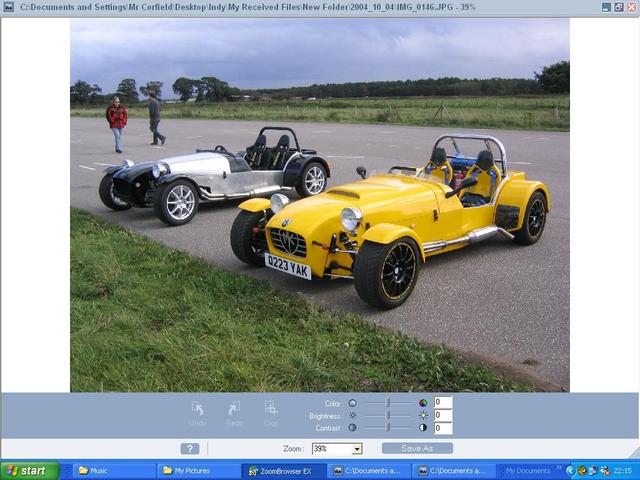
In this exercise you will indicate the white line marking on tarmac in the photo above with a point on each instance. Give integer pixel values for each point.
(159, 148)
(113, 165)
(385, 131)
(543, 138)
(520, 163)
(321, 131)
(195, 136)
(345, 156)
(88, 168)
(75, 141)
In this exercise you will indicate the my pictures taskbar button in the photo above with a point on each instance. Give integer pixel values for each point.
(30, 470)
(116, 471)
(199, 470)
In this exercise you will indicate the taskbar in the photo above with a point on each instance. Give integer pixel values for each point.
(400, 469)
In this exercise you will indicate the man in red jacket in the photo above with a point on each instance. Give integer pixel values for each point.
(117, 118)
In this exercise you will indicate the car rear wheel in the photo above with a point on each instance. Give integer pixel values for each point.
(386, 274)
(248, 238)
(176, 203)
(108, 197)
(535, 218)
(313, 180)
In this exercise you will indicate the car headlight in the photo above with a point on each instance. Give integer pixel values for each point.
(127, 163)
(351, 219)
(159, 169)
(278, 202)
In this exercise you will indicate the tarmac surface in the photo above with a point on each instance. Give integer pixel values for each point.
(506, 303)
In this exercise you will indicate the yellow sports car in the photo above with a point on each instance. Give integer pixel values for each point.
(378, 230)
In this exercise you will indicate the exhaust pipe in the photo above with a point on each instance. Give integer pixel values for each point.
(253, 193)
(473, 236)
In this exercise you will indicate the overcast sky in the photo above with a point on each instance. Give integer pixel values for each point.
(267, 53)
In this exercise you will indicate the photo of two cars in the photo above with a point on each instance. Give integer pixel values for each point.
(411, 212)
(288, 235)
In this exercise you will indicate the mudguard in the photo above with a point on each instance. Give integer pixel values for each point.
(176, 176)
(255, 205)
(295, 167)
(112, 170)
(166, 179)
(512, 202)
(386, 233)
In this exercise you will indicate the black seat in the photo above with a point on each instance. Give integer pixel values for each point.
(279, 153)
(255, 152)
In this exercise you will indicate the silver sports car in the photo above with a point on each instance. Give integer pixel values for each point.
(175, 186)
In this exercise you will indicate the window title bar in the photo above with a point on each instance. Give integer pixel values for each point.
(318, 8)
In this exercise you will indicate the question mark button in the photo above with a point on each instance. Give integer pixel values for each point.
(189, 448)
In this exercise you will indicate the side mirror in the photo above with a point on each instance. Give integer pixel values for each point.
(466, 183)
(361, 171)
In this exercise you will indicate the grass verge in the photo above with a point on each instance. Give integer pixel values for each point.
(522, 113)
(147, 318)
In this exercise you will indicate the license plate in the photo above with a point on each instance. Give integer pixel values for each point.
(288, 266)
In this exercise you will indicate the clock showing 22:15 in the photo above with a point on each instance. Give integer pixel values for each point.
(622, 471)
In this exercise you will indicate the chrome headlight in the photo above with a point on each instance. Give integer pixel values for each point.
(278, 202)
(158, 169)
(127, 163)
(351, 219)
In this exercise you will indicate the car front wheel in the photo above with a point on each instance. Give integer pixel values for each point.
(535, 218)
(176, 203)
(313, 180)
(248, 239)
(386, 274)
(108, 197)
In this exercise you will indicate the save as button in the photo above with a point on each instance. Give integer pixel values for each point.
(30, 470)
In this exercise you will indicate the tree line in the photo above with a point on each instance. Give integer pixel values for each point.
(205, 89)
(553, 79)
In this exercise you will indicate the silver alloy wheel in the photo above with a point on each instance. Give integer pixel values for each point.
(180, 202)
(116, 200)
(315, 180)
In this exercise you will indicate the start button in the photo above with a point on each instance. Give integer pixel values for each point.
(30, 470)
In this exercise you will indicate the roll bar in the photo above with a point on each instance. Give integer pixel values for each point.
(487, 139)
(295, 138)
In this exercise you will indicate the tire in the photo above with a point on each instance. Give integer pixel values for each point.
(313, 180)
(247, 245)
(176, 203)
(535, 218)
(369, 272)
(105, 191)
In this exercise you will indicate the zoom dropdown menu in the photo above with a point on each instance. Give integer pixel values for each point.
(336, 449)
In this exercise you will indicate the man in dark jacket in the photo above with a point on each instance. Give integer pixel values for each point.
(154, 119)
(117, 118)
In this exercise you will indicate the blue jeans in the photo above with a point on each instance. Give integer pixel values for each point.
(117, 132)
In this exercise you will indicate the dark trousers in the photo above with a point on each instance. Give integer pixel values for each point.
(153, 126)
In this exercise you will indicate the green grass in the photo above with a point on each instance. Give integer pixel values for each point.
(148, 318)
(523, 113)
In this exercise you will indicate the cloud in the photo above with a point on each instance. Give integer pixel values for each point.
(264, 53)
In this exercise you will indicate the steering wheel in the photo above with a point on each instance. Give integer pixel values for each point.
(220, 148)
